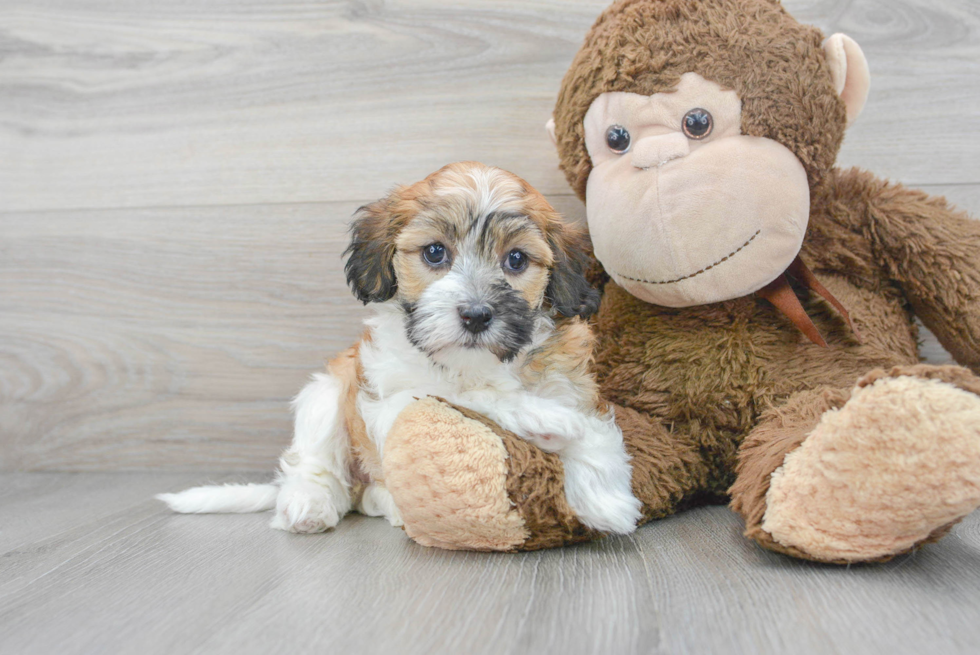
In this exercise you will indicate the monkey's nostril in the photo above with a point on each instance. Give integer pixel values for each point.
(476, 318)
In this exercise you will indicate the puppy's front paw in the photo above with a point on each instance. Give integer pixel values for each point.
(602, 499)
(550, 426)
(550, 442)
(307, 506)
(607, 511)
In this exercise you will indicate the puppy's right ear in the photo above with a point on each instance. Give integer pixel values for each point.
(370, 265)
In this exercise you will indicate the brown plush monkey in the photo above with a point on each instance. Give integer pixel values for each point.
(702, 137)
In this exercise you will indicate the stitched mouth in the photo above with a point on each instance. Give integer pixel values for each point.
(696, 273)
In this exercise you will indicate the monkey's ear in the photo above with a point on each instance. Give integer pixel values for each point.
(849, 72)
(550, 129)
(370, 263)
(569, 291)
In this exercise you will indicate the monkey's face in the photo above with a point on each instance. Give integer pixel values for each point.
(683, 208)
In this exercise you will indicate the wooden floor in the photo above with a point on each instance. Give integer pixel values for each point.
(175, 180)
(92, 565)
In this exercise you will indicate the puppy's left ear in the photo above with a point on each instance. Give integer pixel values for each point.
(370, 263)
(569, 290)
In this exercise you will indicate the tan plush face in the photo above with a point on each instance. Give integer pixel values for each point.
(474, 257)
(682, 208)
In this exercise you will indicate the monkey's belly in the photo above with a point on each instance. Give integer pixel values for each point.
(712, 370)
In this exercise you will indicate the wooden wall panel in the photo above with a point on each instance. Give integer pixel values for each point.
(175, 180)
(158, 337)
(136, 104)
(167, 337)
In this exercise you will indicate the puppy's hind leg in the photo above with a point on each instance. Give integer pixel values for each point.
(314, 481)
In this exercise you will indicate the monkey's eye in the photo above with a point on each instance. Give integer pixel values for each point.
(516, 261)
(435, 254)
(697, 124)
(618, 139)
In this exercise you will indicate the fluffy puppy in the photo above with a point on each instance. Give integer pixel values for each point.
(480, 298)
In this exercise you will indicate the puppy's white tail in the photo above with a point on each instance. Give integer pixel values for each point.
(223, 499)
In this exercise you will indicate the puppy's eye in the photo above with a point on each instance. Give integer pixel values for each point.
(435, 254)
(516, 261)
(697, 124)
(618, 139)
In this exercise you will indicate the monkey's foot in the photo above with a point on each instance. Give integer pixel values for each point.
(894, 468)
(461, 482)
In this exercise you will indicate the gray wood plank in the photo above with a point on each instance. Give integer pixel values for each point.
(924, 57)
(129, 104)
(174, 338)
(156, 338)
(167, 338)
(46, 506)
(144, 580)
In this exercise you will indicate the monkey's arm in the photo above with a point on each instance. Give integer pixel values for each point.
(932, 252)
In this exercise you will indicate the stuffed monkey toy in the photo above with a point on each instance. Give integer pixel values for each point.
(756, 332)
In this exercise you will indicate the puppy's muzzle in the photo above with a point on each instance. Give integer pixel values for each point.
(476, 318)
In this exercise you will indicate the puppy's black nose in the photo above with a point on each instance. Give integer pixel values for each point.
(476, 318)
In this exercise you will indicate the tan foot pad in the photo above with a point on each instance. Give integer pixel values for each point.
(448, 476)
(899, 461)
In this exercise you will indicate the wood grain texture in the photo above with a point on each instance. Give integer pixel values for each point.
(924, 58)
(237, 102)
(175, 179)
(125, 575)
(134, 104)
(168, 326)
(147, 338)
(174, 338)
(167, 338)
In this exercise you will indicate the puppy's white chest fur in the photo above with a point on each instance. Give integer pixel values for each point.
(392, 364)
(395, 373)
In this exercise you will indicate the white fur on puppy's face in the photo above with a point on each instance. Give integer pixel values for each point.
(479, 216)
(476, 275)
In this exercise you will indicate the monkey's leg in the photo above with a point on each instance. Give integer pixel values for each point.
(461, 482)
(865, 475)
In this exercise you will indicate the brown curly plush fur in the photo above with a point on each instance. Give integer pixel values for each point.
(712, 399)
(774, 63)
(718, 375)
(733, 373)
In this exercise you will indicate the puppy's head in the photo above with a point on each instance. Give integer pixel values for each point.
(473, 255)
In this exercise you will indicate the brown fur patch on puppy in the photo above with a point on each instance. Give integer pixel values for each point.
(347, 367)
(385, 253)
(567, 353)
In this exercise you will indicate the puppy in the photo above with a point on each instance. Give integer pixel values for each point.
(480, 298)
